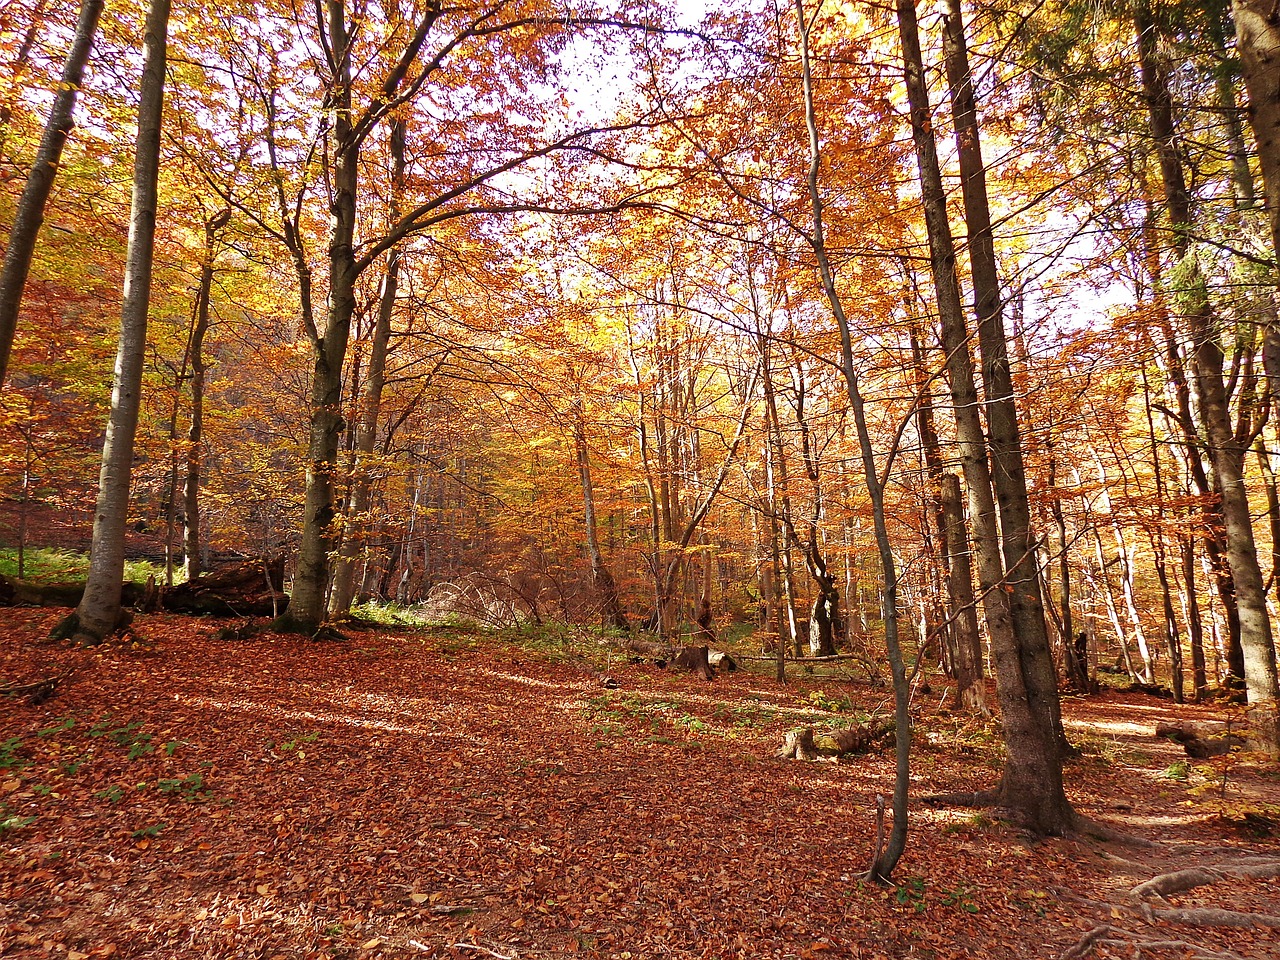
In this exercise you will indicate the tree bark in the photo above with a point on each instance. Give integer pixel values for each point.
(29, 216)
(343, 589)
(611, 610)
(1258, 43)
(99, 611)
(1032, 782)
(887, 859)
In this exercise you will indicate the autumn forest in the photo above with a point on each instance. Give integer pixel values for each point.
(922, 347)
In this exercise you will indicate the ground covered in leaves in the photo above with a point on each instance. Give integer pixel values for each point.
(448, 794)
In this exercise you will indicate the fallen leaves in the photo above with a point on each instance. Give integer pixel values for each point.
(449, 809)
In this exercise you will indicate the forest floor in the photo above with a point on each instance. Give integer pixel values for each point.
(441, 793)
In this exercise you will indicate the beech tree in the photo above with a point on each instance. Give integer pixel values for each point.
(99, 612)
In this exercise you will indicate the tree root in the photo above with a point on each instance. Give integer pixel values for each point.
(1166, 884)
(1182, 880)
(978, 800)
(1111, 936)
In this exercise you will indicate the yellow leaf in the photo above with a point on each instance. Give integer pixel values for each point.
(419, 898)
(370, 944)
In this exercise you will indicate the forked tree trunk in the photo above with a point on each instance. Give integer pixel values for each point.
(306, 609)
(1032, 782)
(99, 611)
(355, 530)
(29, 216)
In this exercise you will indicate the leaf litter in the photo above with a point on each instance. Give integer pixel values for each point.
(448, 794)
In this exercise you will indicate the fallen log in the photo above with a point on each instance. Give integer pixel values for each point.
(803, 743)
(251, 588)
(1205, 738)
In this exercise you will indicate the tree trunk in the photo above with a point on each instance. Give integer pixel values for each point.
(1258, 44)
(306, 611)
(884, 861)
(343, 588)
(1032, 783)
(971, 691)
(1022, 575)
(195, 433)
(611, 610)
(99, 611)
(29, 216)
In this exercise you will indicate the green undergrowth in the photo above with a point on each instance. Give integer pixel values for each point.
(51, 565)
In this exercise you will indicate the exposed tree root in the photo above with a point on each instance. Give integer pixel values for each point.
(1097, 830)
(1135, 945)
(1167, 884)
(1192, 877)
(979, 799)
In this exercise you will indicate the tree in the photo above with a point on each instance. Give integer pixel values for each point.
(35, 195)
(1032, 779)
(99, 611)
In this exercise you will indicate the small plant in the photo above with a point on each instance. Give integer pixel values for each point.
(111, 794)
(295, 744)
(10, 758)
(959, 898)
(190, 787)
(41, 789)
(152, 831)
(824, 701)
(12, 822)
(911, 894)
(171, 747)
(1179, 770)
(66, 723)
(139, 744)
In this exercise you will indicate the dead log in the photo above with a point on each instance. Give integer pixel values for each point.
(251, 588)
(805, 744)
(721, 661)
(1204, 738)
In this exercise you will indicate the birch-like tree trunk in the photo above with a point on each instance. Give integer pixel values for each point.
(99, 611)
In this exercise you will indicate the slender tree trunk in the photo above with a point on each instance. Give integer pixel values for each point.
(606, 587)
(886, 860)
(16, 66)
(360, 497)
(195, 433)
(99, 611)
(29, 216)
(1077, 666)
(1199, 673)
(1032, 783)
(971, 690)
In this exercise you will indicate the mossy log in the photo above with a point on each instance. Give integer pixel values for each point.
(803, 743)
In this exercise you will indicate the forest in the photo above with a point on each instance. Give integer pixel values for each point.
(678, 388)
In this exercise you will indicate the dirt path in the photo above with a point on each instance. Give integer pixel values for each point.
(447, 795)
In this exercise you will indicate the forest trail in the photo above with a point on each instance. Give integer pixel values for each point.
(445, 794)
